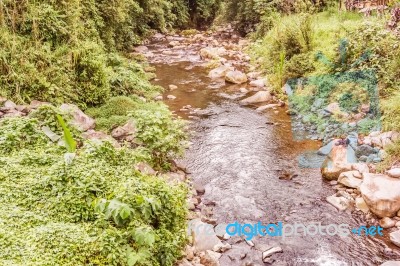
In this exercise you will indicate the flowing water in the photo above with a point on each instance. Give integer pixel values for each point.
(239, 154)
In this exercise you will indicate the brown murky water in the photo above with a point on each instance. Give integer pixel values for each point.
(238, 155)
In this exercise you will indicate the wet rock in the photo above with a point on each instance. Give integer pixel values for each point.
(199, 187)
(391, 263)
(340, 203)
(395, 238)
(210, 258)
(259, 97)
(219, 72)
(386, 223)
(204, 237)
(260, 83)
(350, 179)
(336, 163)
(126, 132)
(268, 253)
(158, 98)
(79, 119)
(189, 252)
(141, 49)
(361, 205)
(364, 150)
(10, 105)
(325, 150)
(172, 87)
(171, 97)
(222, 247)
(145, 168)
(212, 53)
(266, 107)
(381, 193)
(184, 262)
(395, 173)
(236, 77)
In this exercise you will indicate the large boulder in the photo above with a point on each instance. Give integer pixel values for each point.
(391, 263)
(364, 150)
(79, 119)
(381, 193)
(259, 97)
(219, 72)
(236, 77)
(395, 172)
(337, 162)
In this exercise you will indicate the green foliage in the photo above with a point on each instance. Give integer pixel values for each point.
(159, 132)
(391, 113)
(70, 143)
(99, 212)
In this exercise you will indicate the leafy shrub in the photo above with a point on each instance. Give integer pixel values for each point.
(159, 132)
(97, 210)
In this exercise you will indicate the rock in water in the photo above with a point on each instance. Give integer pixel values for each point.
(210, 258)
(386, 223)
(219, 72)
(259, 97)
(381, 193)
(269, 252)
(204, 237)
(80, 120)
(336, 163)
(391, 263)
(236, 77)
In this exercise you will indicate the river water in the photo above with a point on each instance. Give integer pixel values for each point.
(239, 154)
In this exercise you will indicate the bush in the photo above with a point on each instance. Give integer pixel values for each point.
(95, 211)
(163, 135)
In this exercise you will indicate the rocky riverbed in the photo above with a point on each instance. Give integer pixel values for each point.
(245, 165)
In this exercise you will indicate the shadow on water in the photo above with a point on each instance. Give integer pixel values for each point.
(239, 154)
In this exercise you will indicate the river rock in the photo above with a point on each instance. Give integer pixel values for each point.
(259, 97)
(391, 263)
(171, 97)
(381, 193)
(236, 77)
(173, 43)
(395, 237)
(386, 223)
(350, 179)
(141, 49)
(337, 162)
(269, 252)
(361, 205)
(360, 167)
(364, 150)
(126, 132)
(266, 107)
(99, 137)
(395, 172)
(210, 258)
(340, 203)
(204, 237)
(79, 119)
(259, 83)
(10, 105)
(212, 53)
(219, 72)
(172, 87)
